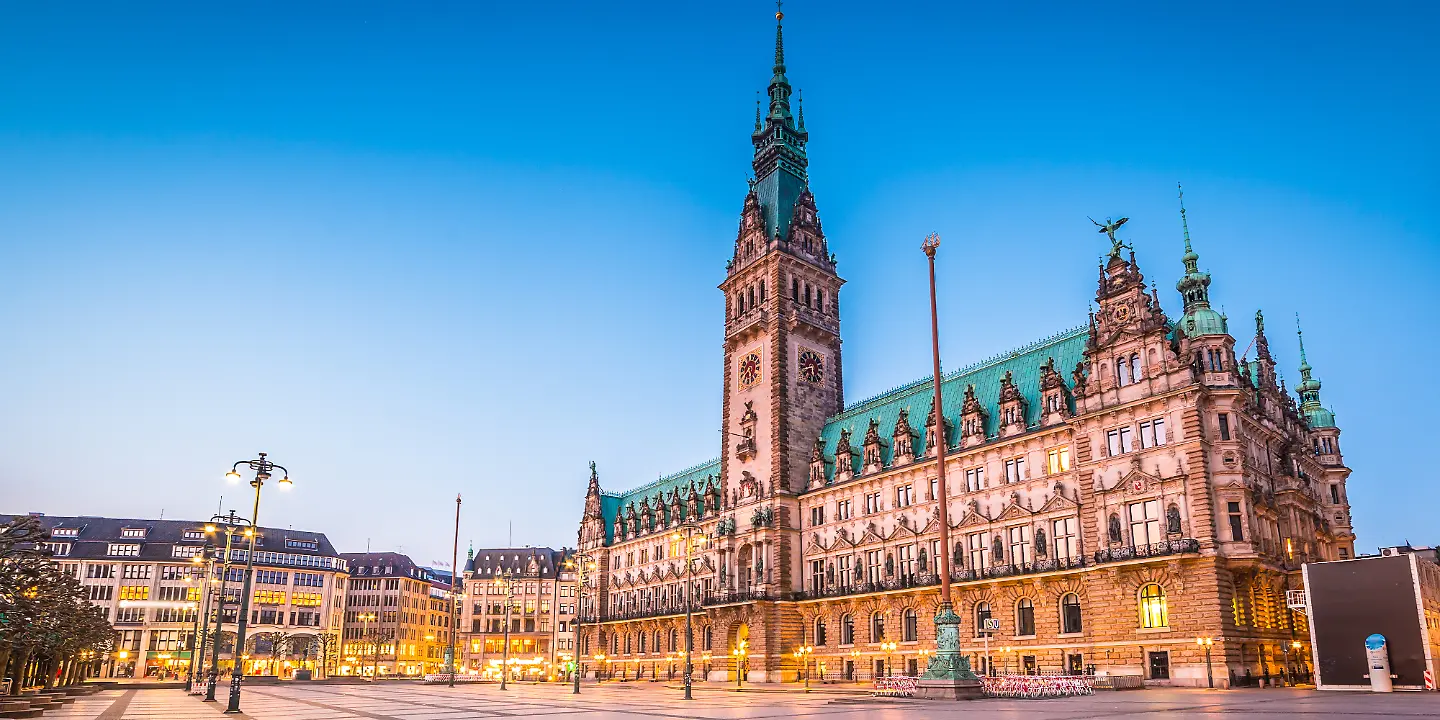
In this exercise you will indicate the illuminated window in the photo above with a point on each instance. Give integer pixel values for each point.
(270, 597)
(1025, 617)
(1153, 612)
(1058, 460)
(305, 599)
(134, 592)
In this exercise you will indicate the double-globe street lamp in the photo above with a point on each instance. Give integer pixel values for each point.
(263, 469)
(507, 587)
(365, 619)
(583, 565)
(692, 541)
(1207, 643)
(197, 643)
(232, 524)
(802, 654)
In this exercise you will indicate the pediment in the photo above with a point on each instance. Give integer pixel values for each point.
(1058, 501)
(870, 536)
(1135, 482)
(842, 537)
(973, 518)
(1014, 512)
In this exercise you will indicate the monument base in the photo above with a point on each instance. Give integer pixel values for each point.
(949, 689)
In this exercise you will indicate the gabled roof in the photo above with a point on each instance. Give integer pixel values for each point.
(540, 562)
(613, 502)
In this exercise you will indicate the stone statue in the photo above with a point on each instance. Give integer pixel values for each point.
(1109, 227)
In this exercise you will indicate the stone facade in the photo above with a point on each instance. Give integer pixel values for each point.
(542, 613)
(140, 572)
(1116, 491)
(410, 628)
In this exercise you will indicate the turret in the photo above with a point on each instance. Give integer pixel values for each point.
(1205, 335)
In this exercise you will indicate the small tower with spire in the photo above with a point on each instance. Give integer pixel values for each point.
(1204, 334)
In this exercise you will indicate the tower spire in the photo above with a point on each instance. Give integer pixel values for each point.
(1194, 287)
(1309, 388)
(780, 163)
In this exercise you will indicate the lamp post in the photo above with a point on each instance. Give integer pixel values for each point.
(263, 469)
(888, 647)
(455, 592)
(691, 541)
(739, 653)
(599, 666)
(582, 564)
(365, 619)
(209, 593)
(507, 586)
(947, 662)
(803, 655)
(854, 662)
(1206, 642)
(232, 524)
(196, 573)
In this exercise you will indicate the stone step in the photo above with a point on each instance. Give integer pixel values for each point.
(26, 713)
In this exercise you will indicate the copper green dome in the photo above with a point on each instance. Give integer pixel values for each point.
(1194, 286)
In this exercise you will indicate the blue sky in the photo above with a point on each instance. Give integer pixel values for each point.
(412, 249)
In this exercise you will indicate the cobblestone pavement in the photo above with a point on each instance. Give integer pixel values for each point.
(397, 701)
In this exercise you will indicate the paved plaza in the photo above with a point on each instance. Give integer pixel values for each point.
(419, 702)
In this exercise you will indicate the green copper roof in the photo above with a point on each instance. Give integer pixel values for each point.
(613, 502)
(1194, 286)
(1315, 414)
(1067, 348)
(780, 163)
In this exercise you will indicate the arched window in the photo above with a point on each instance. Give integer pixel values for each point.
(910, 630)
(1025, 617)
(982, 613)
(706, 638)
(820, 300)
(1122, 372)
(1070, 614)
(877, 627)
(847, 629)
(1135, 371)
(820, 631)
(1153, 610)
(807, 294)
(642, 643)
(795, 289)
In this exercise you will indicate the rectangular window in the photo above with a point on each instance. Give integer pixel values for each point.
(844, 509)
(101, 592)
(1145, 523)
(186, 551)
(1334, 494)
(844, 572)
(132, 532)
(130, 615)
(1058, 460)
(64, 532)
(872, 503)
(1224, 426)
(136, 572)
(1014, 470)
(305, 599)
(817, 574)
(934, 488)
(817, 516)
(1019, 545)
(904, 495)
(872, 566)
(906, 554)
(1237, 532)
(1067, 542)
(974, 479)
(1152, 433)
(979, 550)
(270, 597)
(123, 550)
(134, 592)
(56, 549)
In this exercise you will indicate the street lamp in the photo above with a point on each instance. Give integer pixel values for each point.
(365, 619)
(947, 662)
(507, 586)
(739, 653)
(231, 524)
(691, 542)
(888, 647)
(854, 662)
(263, 469)
(582, 564)
(802, 654)
(196, 642)
(1206, 642)
(599, 666)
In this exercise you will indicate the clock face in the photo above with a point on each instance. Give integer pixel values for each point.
(1122, 312)
(812, 366)
(749, 369)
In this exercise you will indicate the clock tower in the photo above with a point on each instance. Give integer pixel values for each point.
(782, 332)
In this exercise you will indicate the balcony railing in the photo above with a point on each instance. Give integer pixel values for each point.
(1166, 547)
(728, 597)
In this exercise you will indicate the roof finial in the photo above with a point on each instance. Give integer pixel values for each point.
(800, 106)
(757, 110)
(779, 39)
(1183, 222)
(1304, 366)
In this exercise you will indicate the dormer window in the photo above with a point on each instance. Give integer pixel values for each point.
(194, 535)
(133, 532)
(65, 532)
